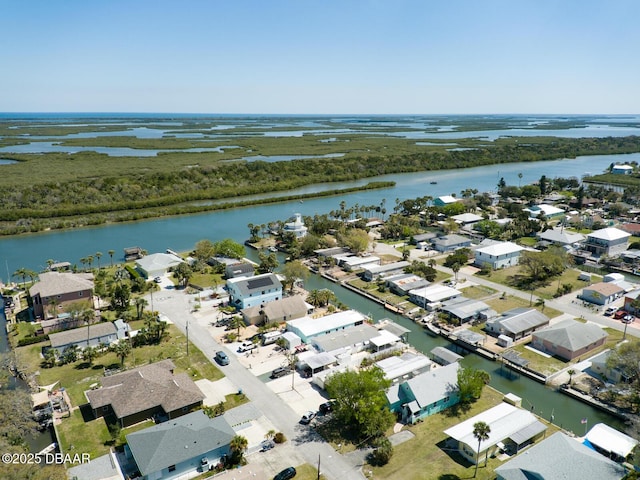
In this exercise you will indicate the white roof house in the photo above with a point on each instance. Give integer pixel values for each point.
(549, 211)
(445, 200)
(467, 218)
(607, 241)
(610, 233)
(622, 169)
(431, 294)
(560, 236)
(308, 327)
(498, 255)
(507, 423)
(157, 264)
(611, 440)
(405, 364)
(296, 226)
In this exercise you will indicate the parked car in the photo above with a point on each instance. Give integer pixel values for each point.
(221, 358)
(307, 417)
(286, 474)
(267, 445)
(157, 280)
(247, 347)
(619, 314)
(280, 372)
(610, 311)
(326, 407)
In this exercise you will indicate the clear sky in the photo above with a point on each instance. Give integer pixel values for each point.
(320, 56)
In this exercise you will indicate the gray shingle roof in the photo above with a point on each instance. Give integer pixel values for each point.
(144, 388)
(560, 457)
(522, 319)
(571, 334)
(178, 440)
(80, 334)
(434, 385)
(287, 308)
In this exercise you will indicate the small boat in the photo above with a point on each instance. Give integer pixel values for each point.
(273, 249)
(432, 329)
(433, 182)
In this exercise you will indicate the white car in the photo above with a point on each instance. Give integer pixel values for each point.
(247, 347)
(307, 417)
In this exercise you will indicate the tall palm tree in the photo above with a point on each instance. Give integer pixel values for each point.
(481, 431)
(111, 252)
(238, 445)
(122, 350)
(237, 322)
(98, 256)
(140, 304)
(21, 272)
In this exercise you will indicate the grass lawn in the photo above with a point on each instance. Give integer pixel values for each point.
(426, 457)
(569, 276)
(77, 377)
(477, 292)
(372, 289)
(539, 363)
(503, 304)
(77, 436)
(206, 280)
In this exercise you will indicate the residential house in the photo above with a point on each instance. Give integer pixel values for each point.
(632, 302)
(602, 293)
(307, 328)
(510, 428)
(241, 269)
(622, 169)
(599, 365)
(517, 323)
(549, 211)
(425, 394)
(451, 242)
(296, 227)
(610, 442)
(183, 446)
(631, 228)
(277, 311)
(157, 264)
(404, 366)
(444, 200)
(402, 283)
(560, 456)
(569, 339)
(607, 241)
(145, 392)
(245, 292)
(560, 237)
(92, 335)
(467, 220)
(498, 255)
(432, 294)
(351, 339)
(55, 290)
(376, 271)
(354, 262)
(444, 356)
(464, 309)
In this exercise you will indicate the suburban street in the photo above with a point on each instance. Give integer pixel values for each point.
(303, 442)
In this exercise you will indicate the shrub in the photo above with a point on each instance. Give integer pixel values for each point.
(279, 438)
(30, 340)
(382, 454)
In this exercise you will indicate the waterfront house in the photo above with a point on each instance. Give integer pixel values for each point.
(449, 243)
(355, 262)
(569, 339)
(183, 446)
(517, 323)
(498, 255)
(610, 442)
(402, 283)
(511, 428)
(444, 200)
(549, 211)
(432, 294)
(296, 227)
(239, 269)
(444, 356)
(245, 292)
(93, 335)
(622, 169)
(464, 309)
(467, 220)
(307, 327)
(599, 365)
(560, 236)
(425, 394)
(376, 271)
(607, 241)
(404, 366)
(55, 290)
(560, 456)
(277, 311)
(602, 293)
(348, 340)
(145, 392)
(157, 264)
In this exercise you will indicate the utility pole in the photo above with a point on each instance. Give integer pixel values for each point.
(187, 329)
(318, 466)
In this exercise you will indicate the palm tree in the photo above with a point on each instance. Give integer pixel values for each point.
(571, 373)
(111, 252)
(98, 256)
(50, 262)
(237, 322)
(140, 304)
(481, 431)
(122, 350)
(456, 268)
(89, 354)
(540, 303)
(238, 445)
(21, 272)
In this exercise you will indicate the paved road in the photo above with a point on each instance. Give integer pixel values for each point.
(175, 304)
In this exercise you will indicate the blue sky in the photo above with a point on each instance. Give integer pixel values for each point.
(314, 57)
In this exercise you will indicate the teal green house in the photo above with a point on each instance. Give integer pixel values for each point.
(425, 394)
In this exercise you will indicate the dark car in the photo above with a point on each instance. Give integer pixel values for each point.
(619, 314)
(286, 474)
(326, 407)
(280, 372)
(222, 358)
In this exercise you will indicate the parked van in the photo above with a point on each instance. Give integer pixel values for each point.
(271, 337)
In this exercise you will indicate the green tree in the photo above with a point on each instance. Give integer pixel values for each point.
(238, 446)
(89, 354)
(22, 273)
(470, 384)
(98, 257)
(183, 273)
(140, 304)
(229, 248)
(481, 432)
(120, 297)
(237, 322)
(356, 240)
(111, 252)
(205, 249)
(268, 262)
(122, 349)
(361, 404)
(294, 271)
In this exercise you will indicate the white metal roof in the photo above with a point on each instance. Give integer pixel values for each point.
(611, 440)
(314, 326)
(610, 233)
(435, 293)
(502, 248)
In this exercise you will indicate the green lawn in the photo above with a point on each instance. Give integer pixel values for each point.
(503, 304)
(426, 457)
(477, 292)
(372, 289)
(77, 436)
